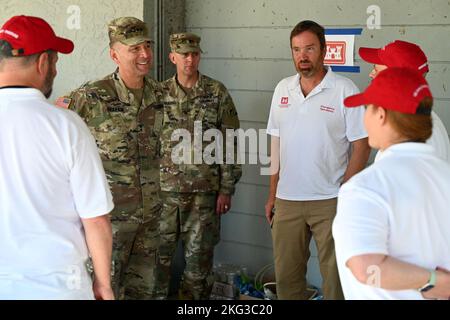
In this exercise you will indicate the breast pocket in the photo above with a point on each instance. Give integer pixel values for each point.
(210, 115)
(150, 122)
(114, 138)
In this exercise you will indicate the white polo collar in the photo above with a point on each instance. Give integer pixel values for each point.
(407, 147)
(329, 81)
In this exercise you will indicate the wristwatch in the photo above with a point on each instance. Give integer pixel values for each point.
(431, 282)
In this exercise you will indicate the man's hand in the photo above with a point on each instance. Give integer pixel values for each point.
(99, 241)
(223, 204)
(442, 287)
(102, 292)
(269, 213)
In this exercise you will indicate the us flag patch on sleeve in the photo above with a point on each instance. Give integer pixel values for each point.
(63, 102)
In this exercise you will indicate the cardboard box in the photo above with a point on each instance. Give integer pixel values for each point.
(225, 290)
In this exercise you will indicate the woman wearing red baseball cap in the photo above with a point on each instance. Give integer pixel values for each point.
(392, 225)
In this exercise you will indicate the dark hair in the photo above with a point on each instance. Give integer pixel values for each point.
(6, 52)
(414, 127)
(311, 26)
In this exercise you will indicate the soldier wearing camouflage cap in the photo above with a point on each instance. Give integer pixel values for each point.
(193, 195)
(185, 43)
(123, 113)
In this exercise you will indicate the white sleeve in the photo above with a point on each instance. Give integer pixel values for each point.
(90, 189)
(354, 117)
(361, 225)
(440, 139)
(273, 125)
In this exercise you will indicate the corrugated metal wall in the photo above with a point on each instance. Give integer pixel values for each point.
(246, 46)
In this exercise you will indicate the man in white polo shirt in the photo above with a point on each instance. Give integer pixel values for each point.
(319, 145)
(54, 196)
(409, 55)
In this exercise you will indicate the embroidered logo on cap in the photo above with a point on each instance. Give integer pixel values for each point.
(10, 33)
(416, 93)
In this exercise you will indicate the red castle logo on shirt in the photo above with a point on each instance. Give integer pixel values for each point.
(284, 102)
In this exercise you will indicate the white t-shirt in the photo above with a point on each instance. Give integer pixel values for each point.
(439, 139)
(315, 136)
(398, 207)
(51, 175)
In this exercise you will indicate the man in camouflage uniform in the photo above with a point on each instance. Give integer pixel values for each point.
(194, 194)
(123, 114)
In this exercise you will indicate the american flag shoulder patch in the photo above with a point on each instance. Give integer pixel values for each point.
(63, 102)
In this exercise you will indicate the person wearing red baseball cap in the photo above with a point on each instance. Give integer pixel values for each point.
(392, 225)
(34, 40)
(54, 197)
(398, 53)
(409, 55)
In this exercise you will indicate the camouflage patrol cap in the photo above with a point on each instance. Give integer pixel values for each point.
(185, 42)
(128, 31)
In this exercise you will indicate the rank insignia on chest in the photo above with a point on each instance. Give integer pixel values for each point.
(115, 109)
(209, 100)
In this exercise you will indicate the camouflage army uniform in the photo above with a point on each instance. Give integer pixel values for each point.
(127, 135)
(189, 191)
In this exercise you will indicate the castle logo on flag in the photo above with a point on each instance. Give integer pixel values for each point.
(336, 52)
(340, 49)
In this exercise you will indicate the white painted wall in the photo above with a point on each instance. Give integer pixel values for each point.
(90, 59)
(246, 46)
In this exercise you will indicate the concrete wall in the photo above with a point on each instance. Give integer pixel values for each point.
(171, 19)
(246, 46)
(90, 59)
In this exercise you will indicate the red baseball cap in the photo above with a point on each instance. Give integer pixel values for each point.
(30, 35)
(397, 54)
(397, 89)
